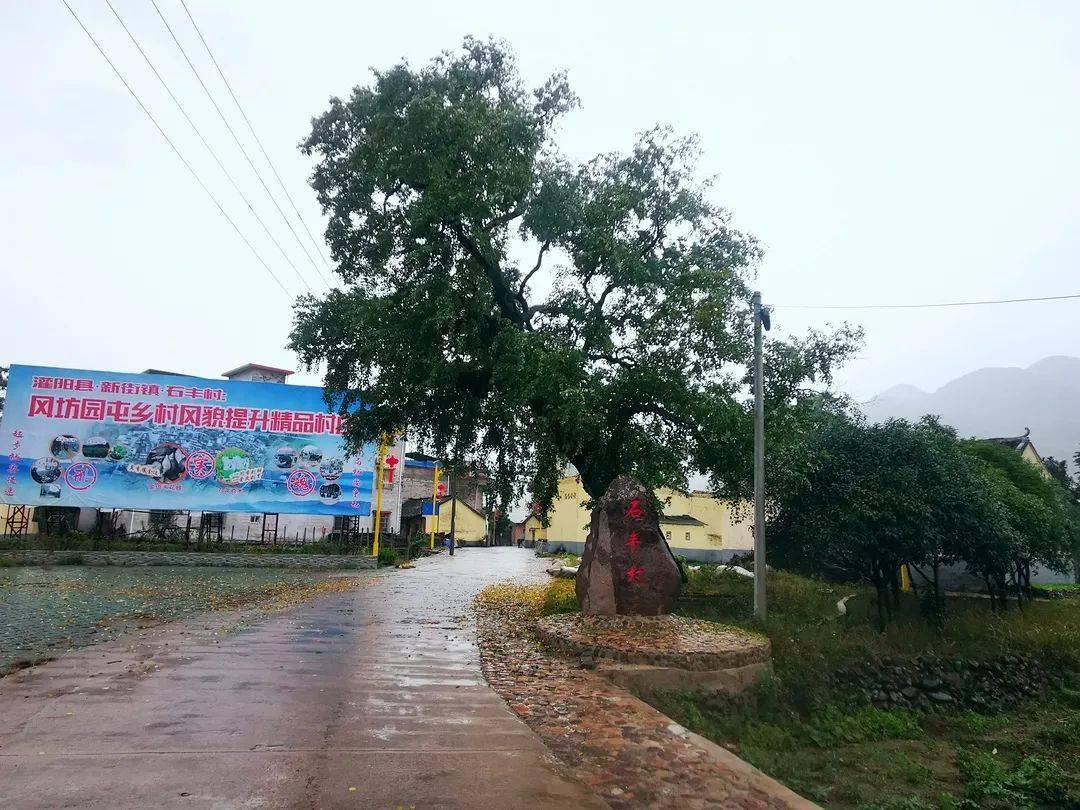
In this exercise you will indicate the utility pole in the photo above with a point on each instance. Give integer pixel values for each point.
(453, 512)
(759, 460)
(379, 462)
(434, 505)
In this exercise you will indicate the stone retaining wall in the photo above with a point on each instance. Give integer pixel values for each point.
(192, 558)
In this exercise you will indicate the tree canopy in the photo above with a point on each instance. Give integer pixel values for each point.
(515, 309)
(872, 497)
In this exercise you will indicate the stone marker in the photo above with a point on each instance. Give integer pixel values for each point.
(627, 567)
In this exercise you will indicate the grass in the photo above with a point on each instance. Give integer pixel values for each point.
(78, 541)
(806, 729)
(553, 597)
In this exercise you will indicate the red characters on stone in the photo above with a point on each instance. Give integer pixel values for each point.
(635, 575)
(633, 541)
(634, 510)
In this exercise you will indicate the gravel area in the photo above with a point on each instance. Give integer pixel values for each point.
(672, 641)
(621, 748)
(46, 610)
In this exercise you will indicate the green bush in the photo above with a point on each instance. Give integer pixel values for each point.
(768, 736)
(1036, 780)
(559, 597)
(418, 545)
(388, 555)
(838, 727)
(987, 778)
(1042, 780)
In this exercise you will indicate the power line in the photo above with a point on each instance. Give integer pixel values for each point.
(247, 121)
(172, 146)
(929, 306)
(239, 144)
(205, 143)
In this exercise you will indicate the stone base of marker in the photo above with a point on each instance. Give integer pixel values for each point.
(626, 566)
(653, 653)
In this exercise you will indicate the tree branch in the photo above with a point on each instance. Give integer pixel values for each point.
(539, 260)
(502, 219)
(504, 296)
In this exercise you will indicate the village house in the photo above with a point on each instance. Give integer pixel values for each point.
(696, 525)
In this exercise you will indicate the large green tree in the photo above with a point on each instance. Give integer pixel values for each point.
(516, 309)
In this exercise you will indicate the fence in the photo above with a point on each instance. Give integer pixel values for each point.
(178, 530)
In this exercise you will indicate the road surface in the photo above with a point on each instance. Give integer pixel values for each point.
(371, 698)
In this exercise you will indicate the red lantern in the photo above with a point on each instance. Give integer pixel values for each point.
(391, 462)
(442, 489)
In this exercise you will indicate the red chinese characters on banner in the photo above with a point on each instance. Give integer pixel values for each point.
(62, 383)
(40, 382)
(165, 413)
(130, 389)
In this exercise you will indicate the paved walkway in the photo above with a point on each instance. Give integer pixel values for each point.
(372, 698)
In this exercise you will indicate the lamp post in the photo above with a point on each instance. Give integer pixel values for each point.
(761, 318)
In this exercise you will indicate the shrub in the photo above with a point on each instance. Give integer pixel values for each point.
(835, 726)
(559, 597)
(1042, 780)
(987, 779)
(387, 555)
(418, 545)
(1035, 780)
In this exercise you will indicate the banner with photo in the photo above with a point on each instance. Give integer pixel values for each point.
(158, 441)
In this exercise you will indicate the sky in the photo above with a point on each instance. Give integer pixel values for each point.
(883, 153)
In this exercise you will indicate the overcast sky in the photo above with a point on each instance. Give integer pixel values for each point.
(884, 153)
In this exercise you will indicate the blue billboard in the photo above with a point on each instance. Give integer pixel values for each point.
(157, 441)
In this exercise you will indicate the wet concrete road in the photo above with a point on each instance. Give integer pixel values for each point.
(372, 698)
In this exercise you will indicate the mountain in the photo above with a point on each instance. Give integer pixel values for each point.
(1045, 396)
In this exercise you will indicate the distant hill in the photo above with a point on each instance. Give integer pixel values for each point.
(1045, 396)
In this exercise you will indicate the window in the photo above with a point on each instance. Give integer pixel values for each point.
(255, 518)
(668, 536)
(688, 537)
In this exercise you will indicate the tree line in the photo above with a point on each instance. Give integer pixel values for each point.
(866, 499)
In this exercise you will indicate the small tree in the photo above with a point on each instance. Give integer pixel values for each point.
(1034, 523)
(516, 310)
(874, 497)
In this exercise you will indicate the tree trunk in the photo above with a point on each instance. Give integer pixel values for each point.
(990, 593)
(939, 599)
(894, 584)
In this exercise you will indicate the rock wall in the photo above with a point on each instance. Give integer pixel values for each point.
(927, 682)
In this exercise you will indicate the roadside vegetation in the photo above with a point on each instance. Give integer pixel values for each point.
(1008, 736)
(1002, 731)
